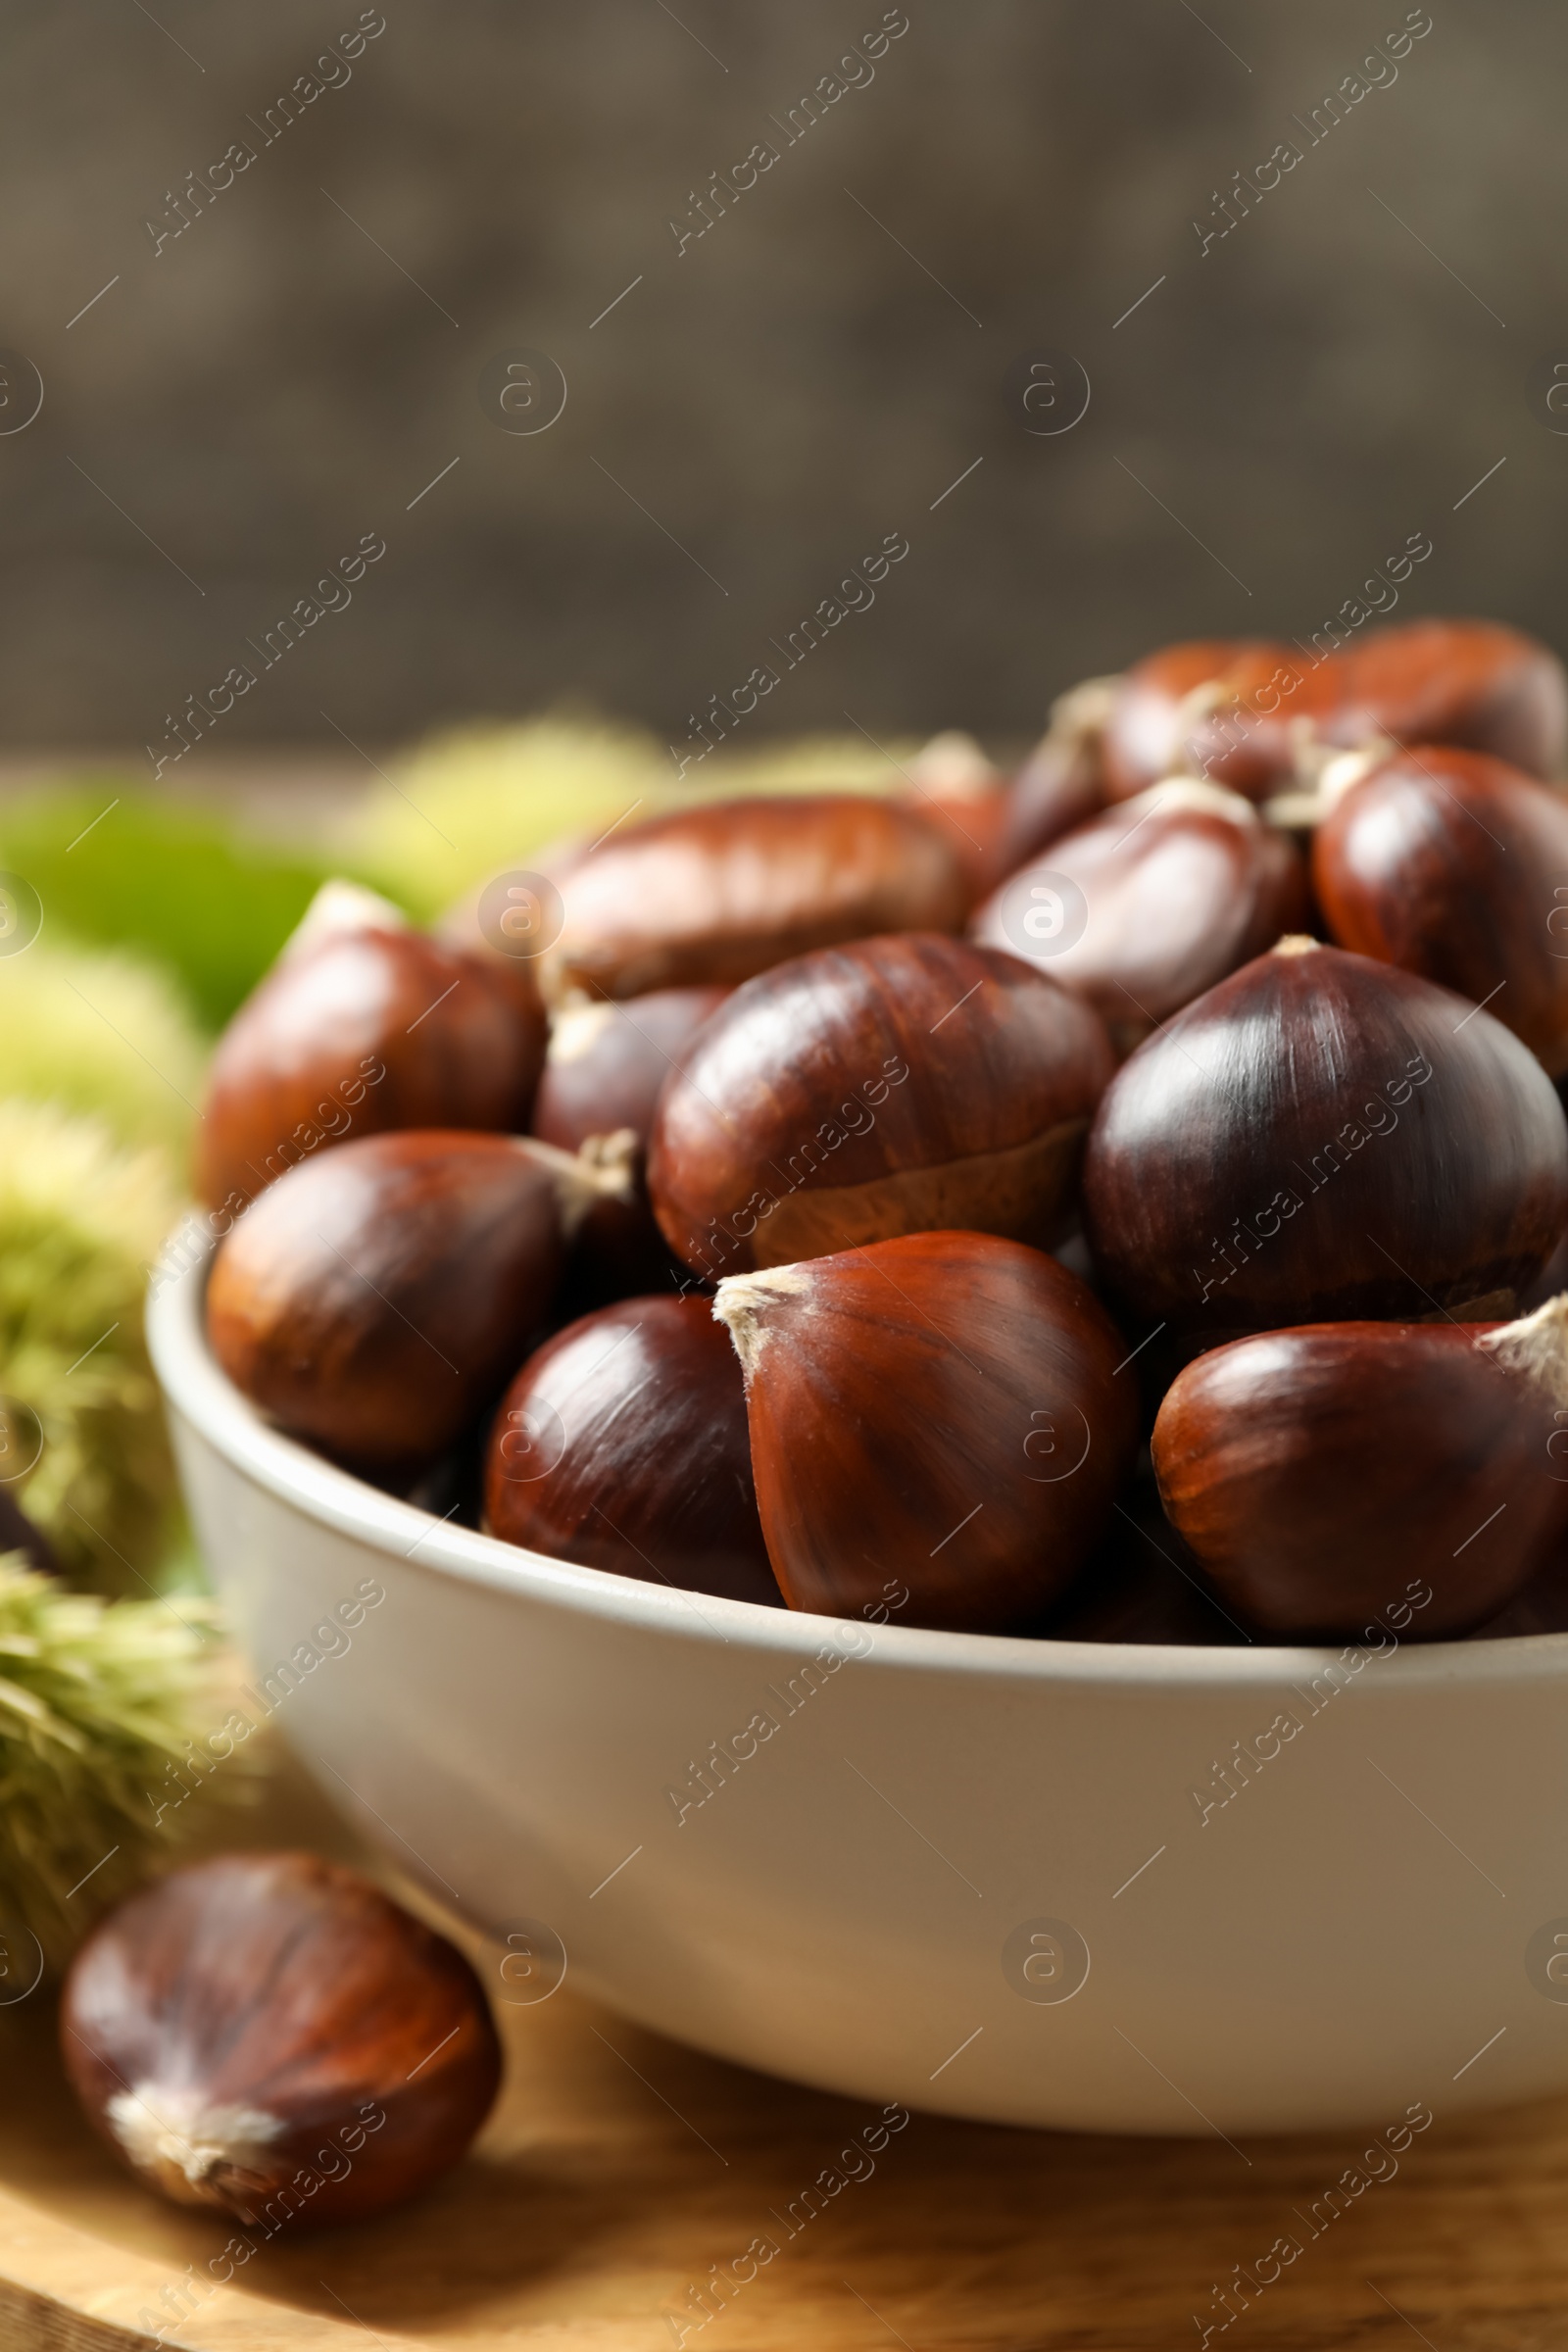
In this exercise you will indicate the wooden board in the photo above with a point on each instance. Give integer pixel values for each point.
(618, 2167)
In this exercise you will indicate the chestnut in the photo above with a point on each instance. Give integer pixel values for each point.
(1140, 1584)
(1321, 1137)
(372, 1302)
(1313, 1472)
(710, 896)
(881, 1088)
(955, 787)
(1256, 715)
(1061, 784)
(1455, 865)
(602, 1077)
(360, 1030)
(607, 1062)
(1165, 895)
(267, 2033)
(622, 1444)
(1473, 683)
(942, 1407)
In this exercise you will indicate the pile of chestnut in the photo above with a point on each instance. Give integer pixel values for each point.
(1125, 1201)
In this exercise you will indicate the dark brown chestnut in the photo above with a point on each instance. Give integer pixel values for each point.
(1140, 1584)
(945, 1409)
(607, 1062)
(709, 896)
(1315, 1472)
(601, 1078)
(267, 2033)
(362, 1029)
(1259, 715)
(1061, 784)
(1321, 1137)
(1150, 902)
(885, 1087)
(372, 1302)
(1455, 865)
(622, 1444)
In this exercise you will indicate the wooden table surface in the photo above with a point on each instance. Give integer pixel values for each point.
(619, 2166)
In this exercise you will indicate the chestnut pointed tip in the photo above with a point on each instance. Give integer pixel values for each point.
(341, 905)
(1536, 1346)
(1296, 943)
(743, 1301)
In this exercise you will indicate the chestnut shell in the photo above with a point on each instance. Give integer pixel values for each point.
(1274, 1155)
(265, 2008)
(711, 896)
(458, 1041)
(1315, 1471)
(607, 1061)
(1455, 865)
(917, 1410)
(890, 1086)
(1174, 897)
(372, 1302)
(1233, 709)
(622, 1444)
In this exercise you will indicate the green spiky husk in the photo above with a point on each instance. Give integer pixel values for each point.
(98, 1699)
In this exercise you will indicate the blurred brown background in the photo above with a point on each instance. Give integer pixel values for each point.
(852, 335)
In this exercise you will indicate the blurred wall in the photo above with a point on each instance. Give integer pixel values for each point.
(801, 369)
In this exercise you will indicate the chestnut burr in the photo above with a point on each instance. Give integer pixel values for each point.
(1323, 1138)
(1455, 865)
(710, 896)
(622, 1444)
(363, 1031)
(946, 1408)
(1163, 896)
(269, 2036)
(881, 1088)
(1315, 1471)
(372, 1302)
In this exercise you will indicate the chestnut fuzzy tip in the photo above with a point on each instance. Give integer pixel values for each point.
(742, 1304)
(1535, 1347)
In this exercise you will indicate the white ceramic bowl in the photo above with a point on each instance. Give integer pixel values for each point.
(896, 1891)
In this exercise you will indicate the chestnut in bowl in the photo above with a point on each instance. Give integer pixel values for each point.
(1166, 894)
(367, 1030)
(885, 1087)
(372, 1302)
(1313, 1471)
(607, 1062)
(1321, 1137)
(945, 1409)
(1455, 865)
(706, 897)
(1248, 714)
(622, 1444)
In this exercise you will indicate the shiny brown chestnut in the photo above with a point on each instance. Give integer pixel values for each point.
(269, 2035)
(1140, 1584)
(363, 1029)
(1315, 1472)
(601, 1078)
(1455, 865)
(1150, 904)
(1258, 716)
(1061, 784)
(710, 896)
(622, 1444)
(942, 1409)
(1322, 1138)
(886, 1087)
(372, 1302)
(607, 1062)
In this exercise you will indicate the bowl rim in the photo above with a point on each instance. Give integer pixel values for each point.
(200, 1392)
